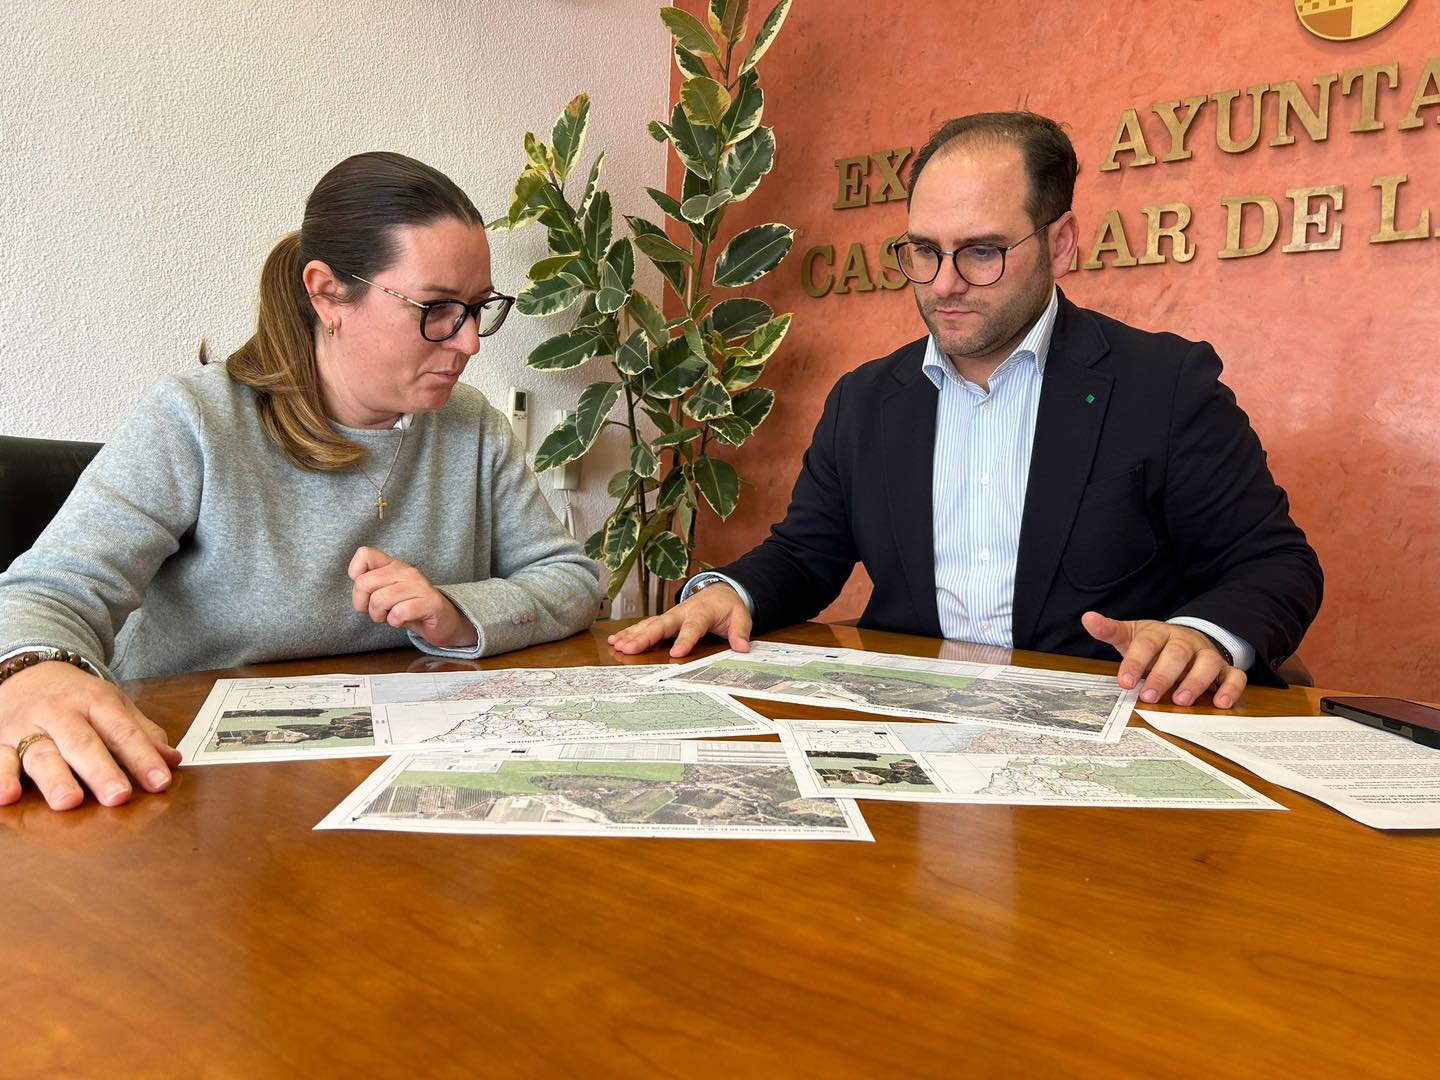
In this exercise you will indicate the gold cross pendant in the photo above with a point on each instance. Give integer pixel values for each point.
(380, 505)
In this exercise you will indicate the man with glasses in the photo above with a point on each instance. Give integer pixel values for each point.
(1030, 474)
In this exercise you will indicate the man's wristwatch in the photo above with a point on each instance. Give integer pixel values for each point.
(704, 581)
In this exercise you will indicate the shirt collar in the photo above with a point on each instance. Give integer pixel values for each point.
(1035, 344)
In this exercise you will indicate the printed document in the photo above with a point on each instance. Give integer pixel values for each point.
(700, 789)
(1065, 703)
(975, 763)
(1382, 780)
(327, 716)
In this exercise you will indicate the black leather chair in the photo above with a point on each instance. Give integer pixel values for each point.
(36, 476)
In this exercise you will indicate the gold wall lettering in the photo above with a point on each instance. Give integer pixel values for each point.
(1252, 222)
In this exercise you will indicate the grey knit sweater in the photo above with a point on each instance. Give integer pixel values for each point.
(192, 543)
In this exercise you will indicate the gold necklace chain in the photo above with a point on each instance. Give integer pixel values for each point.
(380, 502)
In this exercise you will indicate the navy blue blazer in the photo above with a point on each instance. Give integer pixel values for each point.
(1152, 500)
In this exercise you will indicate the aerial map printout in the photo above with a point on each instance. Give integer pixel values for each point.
(1023, 699)
(325, 716)
(717, 790)
(973, 763)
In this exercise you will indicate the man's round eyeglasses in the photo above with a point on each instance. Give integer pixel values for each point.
(977, 264)
(442, 319)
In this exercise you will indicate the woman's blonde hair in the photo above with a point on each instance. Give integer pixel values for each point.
(349, 224)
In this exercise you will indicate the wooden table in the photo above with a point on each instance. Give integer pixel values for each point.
(209, 932)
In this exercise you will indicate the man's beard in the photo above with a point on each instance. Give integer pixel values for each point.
(998, 324)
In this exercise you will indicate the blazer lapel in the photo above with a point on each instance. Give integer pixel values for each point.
(1073, 399)
(907, 418)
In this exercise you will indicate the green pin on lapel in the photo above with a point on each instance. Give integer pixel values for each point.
(1089, 399)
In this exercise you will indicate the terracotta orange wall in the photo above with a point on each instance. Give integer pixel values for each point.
(1333, 353)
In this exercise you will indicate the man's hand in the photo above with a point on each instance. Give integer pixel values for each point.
(394, 592)
(717, 609)
(88, 726)
(1170, 654)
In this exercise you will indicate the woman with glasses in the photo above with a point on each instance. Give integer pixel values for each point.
(332, 488)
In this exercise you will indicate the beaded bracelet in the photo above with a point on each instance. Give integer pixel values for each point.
(20, 662)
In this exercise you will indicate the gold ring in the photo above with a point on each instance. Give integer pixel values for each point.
(29, 741)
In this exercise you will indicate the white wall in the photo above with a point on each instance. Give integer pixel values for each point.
(151, 152)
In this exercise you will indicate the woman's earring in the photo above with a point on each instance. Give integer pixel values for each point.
(330, 326)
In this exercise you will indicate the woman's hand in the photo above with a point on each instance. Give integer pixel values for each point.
(89, 730)
(394, 592)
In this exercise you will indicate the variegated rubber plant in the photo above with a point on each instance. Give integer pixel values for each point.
(692, 376)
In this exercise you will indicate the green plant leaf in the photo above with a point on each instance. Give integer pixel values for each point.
(731, 430)
(526, 186)
(738, 376)
(765, 36)
(766, 340)
(727, 19)
(753, 406)
(697, 145)
(596, 227)
(563, 241)
(678, 437)
(752, 254)
(659, 132)
(666, 557)
(592, 544)
(592, 183)
(565, 351)
(548, 296)
(747, 163)
(561, 445)
(694, 340)
(705, 101)
(659, 248)
(621, 536)
(643, 459)
(672, 491)
(549, 266)
(685, 513)
(621, 259)
(666, 202)
(689, 64)
(660, 416)
(593, 409)
(719, 483)
(745, 110)
(621, 484)
(643, 310)
(709, 400)
(569, 134)
(700, 207)
(633, 357)
(738, 317)
(617, 276)
(536, 151)
(673, 370)
(689, 32)
(552, 210)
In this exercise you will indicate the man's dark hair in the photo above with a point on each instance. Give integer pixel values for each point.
(1049, 157)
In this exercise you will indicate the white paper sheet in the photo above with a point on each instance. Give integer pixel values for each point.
(976, 763)
(1077, 706)
(328, 716)
(1382, 780)
(699, 789)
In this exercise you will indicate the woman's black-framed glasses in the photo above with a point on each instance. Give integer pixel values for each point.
(442, 319)
(977, 264)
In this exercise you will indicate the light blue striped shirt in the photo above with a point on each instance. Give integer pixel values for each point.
(982, 465)
(983, 442)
